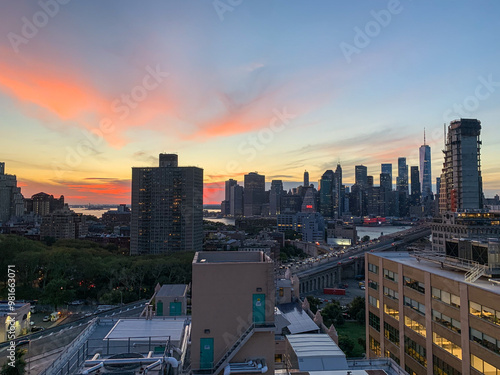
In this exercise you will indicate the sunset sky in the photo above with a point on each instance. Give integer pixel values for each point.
(89, 89)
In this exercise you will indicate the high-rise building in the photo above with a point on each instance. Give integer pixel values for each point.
(228, 184)
(44, 204)
(461, 181)
(306, 179)
(415, 186)
(326, 197)
(387, 168)
(236, 202)
(426, 314)
(63, 223)
(11, 199)
(361, 175)
(254, 194)
(425, 170)
(167, 208)
(275, 195)
(402, 180)
(338, 204)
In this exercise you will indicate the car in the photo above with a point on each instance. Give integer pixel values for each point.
(22, 342)
(36, 329)
(46, 318)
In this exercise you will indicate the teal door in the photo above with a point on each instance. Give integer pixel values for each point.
(175, 308)
(159, 308)
(259, 308)
(206, 353)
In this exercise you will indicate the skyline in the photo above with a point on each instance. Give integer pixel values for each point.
(100, 88)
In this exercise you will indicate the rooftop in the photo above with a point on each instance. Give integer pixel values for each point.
(406, 259)
(158, 329)
(172, 290)
(230, 257)
(300, 322)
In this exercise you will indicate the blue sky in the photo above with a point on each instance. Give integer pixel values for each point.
(270, 86)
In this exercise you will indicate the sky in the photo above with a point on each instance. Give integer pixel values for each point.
(89, 89)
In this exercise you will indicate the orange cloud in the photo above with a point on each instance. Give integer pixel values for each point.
(213, 192)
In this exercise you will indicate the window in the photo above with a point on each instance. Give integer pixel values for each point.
(391, 333)
(446, 321)
(389, 275)
(415, 326)
(415, 305)
(409, 370)
(372, 284)
(485, 340)
(442, 368)
(375, 346)
(389, 354)
(483, 367)
(416, 351)
(447, 345)
(374, 321)
(448, 298)
(372, 268)
(414, 284)
(388, 292)
(373, 301)
(391, 312)
(483, 312)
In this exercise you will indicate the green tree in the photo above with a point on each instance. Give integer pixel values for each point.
(365, 238)
(313, 303)
(332, 314)
(357, 309)
(56, 293)
(347, 345)
(19, 364)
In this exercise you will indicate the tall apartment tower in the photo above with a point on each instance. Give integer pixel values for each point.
(254, 194)
(415, 199)
(461, 181)
(387, 169)
(338, 205)
(402, 180)
(11, 199)
(275, 195)
(233, 313)
(167, 208)
(425, 170)
(361, 175)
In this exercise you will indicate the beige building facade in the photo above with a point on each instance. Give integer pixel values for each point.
(429, 319)
(233, 300)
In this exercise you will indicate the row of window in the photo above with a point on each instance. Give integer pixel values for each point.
(389, 275)
(374, 321)
(372, 284)
(415, 326)
(445, 297)
(373, 301)
(415, 305)
(416, 351)
(440, 367)
(391, 312)
(375, 347)
(391, 333)
(446, 321)
(414, 284)
(483, 367)
(483, 312)
(447, 345)
(394, 357)
(388, 292)
(373, 268)
(485, 340)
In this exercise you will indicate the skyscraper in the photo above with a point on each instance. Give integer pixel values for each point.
(387, 168)
(167, 208)
(339, 188)
(275, 197)
(326, 194)
(11, 199)
(415, 187)
(425, 170)
(402, 180)
(361, 175)
(226, 203)
(306, 179)
(254, 194)
(461, 181)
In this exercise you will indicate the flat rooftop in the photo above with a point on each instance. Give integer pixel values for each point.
(172, 290)
(5, 309)
(158, 329)
(404, 257)
(230, 257)
(300, 322)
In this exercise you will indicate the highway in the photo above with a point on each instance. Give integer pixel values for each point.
(391, 242)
